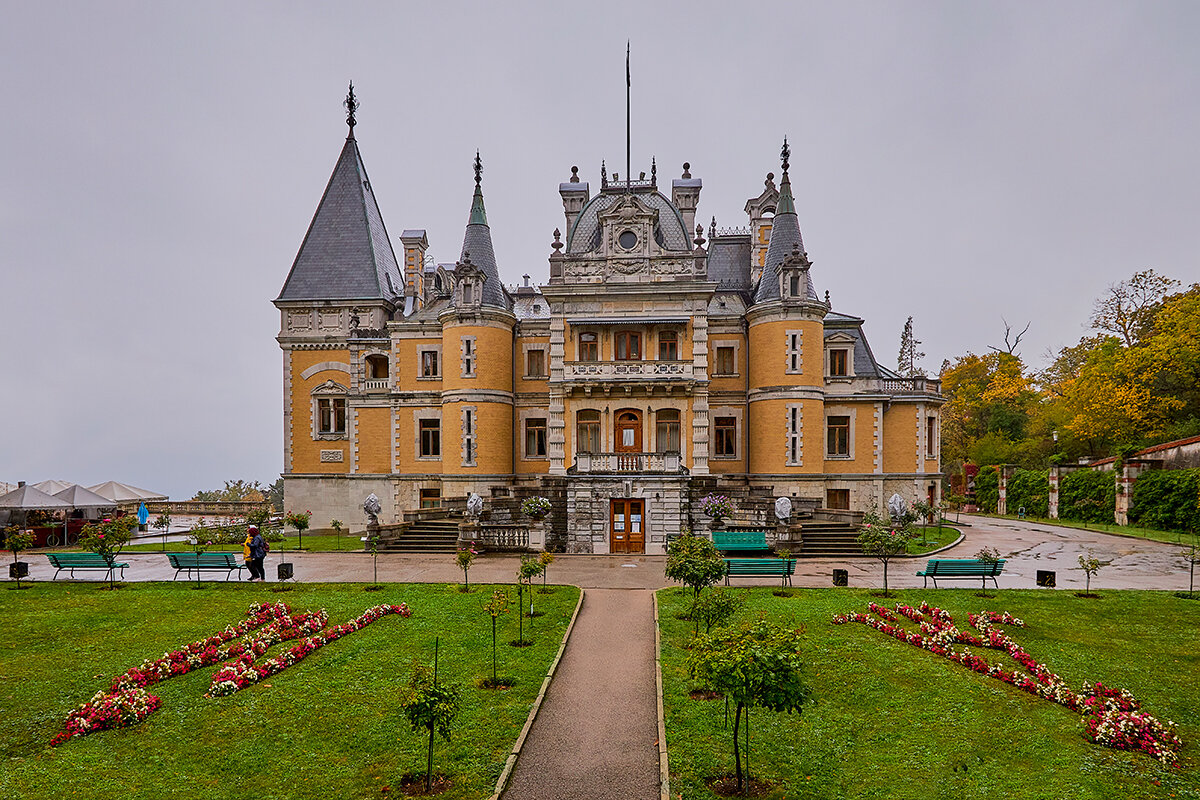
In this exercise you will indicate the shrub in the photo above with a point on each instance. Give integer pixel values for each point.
(987, 489)
(716, 608)
(1029, 488)
(1167, 500)
(1087, 496)
(694, 562)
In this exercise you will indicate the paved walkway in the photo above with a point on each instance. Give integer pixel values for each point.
(596, 735)
(1027, 546)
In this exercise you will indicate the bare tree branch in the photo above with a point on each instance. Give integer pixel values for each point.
(1010, 347)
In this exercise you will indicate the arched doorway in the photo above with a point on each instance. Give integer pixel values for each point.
(627, 434)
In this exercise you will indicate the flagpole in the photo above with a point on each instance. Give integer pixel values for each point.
(628, 174)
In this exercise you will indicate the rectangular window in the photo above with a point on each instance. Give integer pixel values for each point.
(666, 433)
(839, 363)
(535, 438)
(589, 347)
(725, 361)
(331, 415)
(431, 438)
(725, 442)
(535, 364)
(468, 427)
(794, 285)
(839, 436)
(837, 499)
(794, 421)
(587, 431)
(468, 356)
(931, 437)
(429, 364)
(668, 346)
(431, 498)
(629, 346)
(793, 351)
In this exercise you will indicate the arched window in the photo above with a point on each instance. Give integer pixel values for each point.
(589, 347)
(666, 431)
(377, 367)
(587, 432)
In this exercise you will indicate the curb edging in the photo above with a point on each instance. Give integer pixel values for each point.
(511, 762)
(664, 770)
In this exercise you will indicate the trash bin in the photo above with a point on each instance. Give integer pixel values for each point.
(18, 569)
(1045, 578)
(285, 571)
(841, 577)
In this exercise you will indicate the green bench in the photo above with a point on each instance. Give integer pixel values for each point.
(206, 562)
(741, 541)
(953, 569)
(83, 561)
(782, 568)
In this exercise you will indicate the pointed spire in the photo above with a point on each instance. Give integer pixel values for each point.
(478, 215)
(351, 104)
(786, 204)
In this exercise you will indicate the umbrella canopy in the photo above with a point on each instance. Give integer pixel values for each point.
(27, 498)
(53, 487)
(80, 497)
(124, 493)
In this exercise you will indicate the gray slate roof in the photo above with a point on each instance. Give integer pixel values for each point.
(584, 237)
(346, 254)
(477, 241)
(865, 365)
(785, 233)
(729, 262)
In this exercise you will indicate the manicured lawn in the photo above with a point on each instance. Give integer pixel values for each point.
(894, 721)
(935, 537)
(326, 727)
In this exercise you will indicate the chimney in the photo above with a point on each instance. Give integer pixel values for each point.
(685, 194)
(575, 195)
(415, 244)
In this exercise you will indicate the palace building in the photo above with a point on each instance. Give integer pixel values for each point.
(652, 366)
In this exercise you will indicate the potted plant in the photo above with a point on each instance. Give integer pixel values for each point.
(535, 507)
(17, 540)
(717, 506)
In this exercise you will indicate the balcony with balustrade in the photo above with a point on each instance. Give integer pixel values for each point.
(647, 374)
(669, 463)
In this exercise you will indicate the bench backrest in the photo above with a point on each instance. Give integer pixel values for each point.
(963, 566)
(179, 560)
(76, 559)
(735, 539)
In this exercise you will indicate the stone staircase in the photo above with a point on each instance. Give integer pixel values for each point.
(825, 539)
(425, 536)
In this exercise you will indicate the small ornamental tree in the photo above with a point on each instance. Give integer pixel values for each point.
(495, 608)
(716, 608)
(753, 665)
(299, 520)
(988, 555)
(201, 539)
(17, 540)
(1090, 565)
(694, 562)
(1193, 558)
(106, 539)
(372, 547)
(163, 523)
(530, 568)
(547, 558)
(883, 542)
(337, 526)
(463, 559)
(432, 706)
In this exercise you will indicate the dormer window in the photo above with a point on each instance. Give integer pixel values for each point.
(794, 285)
(838, 363)
(468, 294)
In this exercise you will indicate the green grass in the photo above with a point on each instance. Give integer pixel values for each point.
(326, 727)
(935, 538)
(1171, 537)
(892, 721)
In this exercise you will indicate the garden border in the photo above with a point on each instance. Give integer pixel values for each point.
(664, 770)
(511, 762)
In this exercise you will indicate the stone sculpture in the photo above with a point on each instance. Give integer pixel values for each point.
(783, 508)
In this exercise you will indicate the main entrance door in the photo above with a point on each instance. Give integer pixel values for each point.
(628, 526)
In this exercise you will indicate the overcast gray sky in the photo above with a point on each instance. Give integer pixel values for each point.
(959, 162)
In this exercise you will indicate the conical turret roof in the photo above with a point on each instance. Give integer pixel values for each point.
(346, 254)
(477, 243)
(785, 237)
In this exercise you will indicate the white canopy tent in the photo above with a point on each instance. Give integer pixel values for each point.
(124, 493)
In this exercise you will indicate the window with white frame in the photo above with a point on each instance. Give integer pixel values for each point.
(430, 438)
(666, 431)
(838, 436)
(431, 364)
(587, 431)
(535, 363)
(329, 411)
(535, 437)
(725, 362)
(468, 436)
(931, 450)
(794, 341)
(839, 362)
(795, 422)
(468, 356)
(725, 437)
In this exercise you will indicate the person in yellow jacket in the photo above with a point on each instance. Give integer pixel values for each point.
(250, 531)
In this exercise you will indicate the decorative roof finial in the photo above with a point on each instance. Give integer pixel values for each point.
(770, 181)
(557, 244)
(603, 174)
(785, 154)
(827, 297)
(712, 229)
(653, 172)
(686, 167)
(699, 240)
(478, 169)
(351, 104)
(574, 174)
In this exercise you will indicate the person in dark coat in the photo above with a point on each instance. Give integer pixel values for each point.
(258, 551)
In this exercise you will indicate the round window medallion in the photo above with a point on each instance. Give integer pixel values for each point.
(628, 240)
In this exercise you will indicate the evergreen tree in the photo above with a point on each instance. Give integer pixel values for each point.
(906, 364)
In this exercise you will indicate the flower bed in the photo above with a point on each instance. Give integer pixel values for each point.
(1113, 717)
(126, 701)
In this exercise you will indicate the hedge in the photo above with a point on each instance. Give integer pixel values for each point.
(1087, 496)
(1167, 500)
(1029, 488)
(987, 489)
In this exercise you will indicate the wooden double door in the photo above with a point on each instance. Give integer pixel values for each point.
(627, 526)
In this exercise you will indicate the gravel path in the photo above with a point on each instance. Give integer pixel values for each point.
(595, 737)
